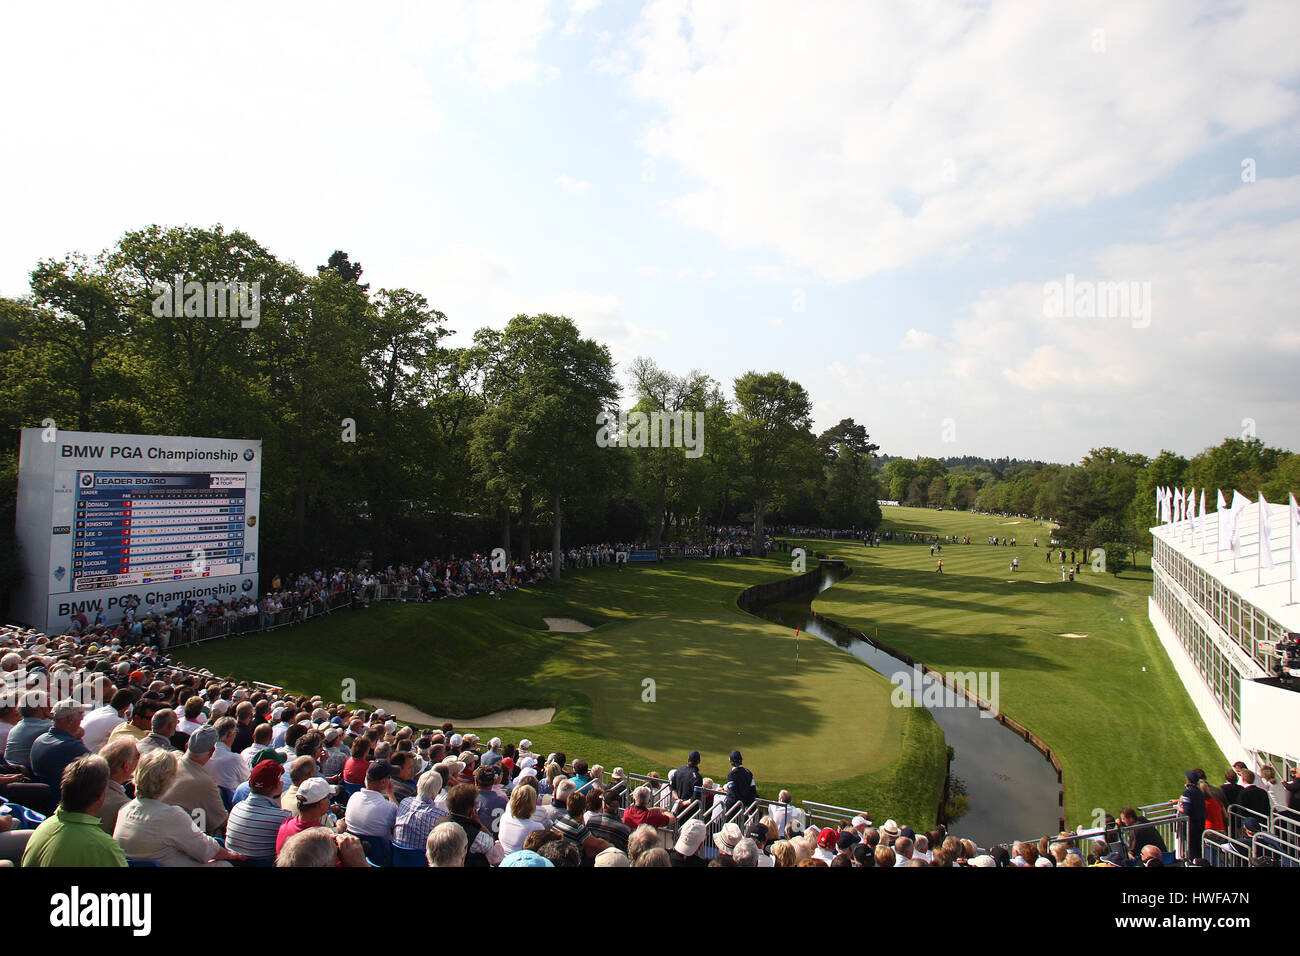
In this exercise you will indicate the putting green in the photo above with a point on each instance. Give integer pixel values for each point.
(722, 680)
(1123, 735)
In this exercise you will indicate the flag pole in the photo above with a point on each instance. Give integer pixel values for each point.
(1259, 524)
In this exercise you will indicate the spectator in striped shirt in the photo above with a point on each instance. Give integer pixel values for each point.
(254, 824)
(570, 826)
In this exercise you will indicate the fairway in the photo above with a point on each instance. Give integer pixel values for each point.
(1070, 655)
(671, 665)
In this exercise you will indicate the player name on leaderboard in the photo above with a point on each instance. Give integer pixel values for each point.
(142, 529)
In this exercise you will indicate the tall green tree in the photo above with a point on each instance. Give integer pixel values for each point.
(545, 421)
(772, 420)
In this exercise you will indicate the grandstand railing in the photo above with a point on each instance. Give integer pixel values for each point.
(1167, 820)
(829, 815)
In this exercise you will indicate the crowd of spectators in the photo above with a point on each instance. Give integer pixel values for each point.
(175, 767)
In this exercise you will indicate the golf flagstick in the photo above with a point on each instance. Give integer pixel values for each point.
(796, 650)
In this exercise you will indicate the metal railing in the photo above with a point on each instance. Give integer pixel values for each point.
(827, 814)
(1165, 818)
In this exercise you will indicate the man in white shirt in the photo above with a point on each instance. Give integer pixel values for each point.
(783, 814)
(261, 741)
(283, 723)
(227, 769)
(192, 716)
(903, 851)
(371, 812)
(99, 723)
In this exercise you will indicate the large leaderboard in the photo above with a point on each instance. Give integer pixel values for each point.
(105, 519)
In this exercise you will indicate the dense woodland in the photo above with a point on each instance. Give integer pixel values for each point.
(381, 440)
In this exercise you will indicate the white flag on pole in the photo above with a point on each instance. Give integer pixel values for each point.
(1239, 504)
(1295, 537)
(1200, 522)
(1221, 523)
(1265, 535)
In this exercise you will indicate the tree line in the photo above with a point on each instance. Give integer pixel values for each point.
(1105, 501)
(381, 439)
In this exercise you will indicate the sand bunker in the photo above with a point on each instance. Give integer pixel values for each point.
(565, 625)
(514, 717)
(1071, 634)
(1011, 522)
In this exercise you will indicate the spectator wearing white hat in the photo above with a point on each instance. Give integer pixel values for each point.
(493, 755)
(686, 851)
(612, 856)
(311, 809)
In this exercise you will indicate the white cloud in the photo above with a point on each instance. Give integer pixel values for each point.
(568, 183)
(897, 132)
(916, 340)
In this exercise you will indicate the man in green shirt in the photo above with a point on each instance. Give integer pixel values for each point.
(73, 836)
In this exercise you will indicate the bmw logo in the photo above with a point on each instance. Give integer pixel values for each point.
(248, 454)
(248, 584)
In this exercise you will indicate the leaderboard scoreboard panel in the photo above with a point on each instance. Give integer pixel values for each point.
(108, 522)
(134, 528)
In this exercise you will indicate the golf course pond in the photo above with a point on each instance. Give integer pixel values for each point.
(1012, 790)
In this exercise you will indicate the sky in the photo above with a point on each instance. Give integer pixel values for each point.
(998, 229)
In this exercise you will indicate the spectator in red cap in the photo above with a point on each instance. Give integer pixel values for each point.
(827, 839)
(254, 824)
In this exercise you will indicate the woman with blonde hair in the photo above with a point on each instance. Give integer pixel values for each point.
(783, 853)
(1275, 787)
(148, 829)
(517, 822)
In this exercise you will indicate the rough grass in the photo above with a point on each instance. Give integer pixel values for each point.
(1123, 735)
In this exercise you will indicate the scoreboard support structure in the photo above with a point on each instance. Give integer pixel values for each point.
(108, 521)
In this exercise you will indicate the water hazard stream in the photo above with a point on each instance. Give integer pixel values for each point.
(1011, 787)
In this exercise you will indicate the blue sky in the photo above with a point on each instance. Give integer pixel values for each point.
(679, 177)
